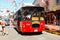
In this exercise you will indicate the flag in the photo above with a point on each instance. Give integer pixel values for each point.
(8, 0)
(42, 3)
(7, 10)
(13, 1)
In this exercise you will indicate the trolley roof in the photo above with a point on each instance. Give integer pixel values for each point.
(33, 8)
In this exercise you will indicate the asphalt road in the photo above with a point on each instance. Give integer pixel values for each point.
(13, 35)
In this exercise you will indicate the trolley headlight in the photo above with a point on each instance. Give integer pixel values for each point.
(41, 18)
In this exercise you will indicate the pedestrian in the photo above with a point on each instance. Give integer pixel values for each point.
(3, 27)
(0, 27)
(54, 19)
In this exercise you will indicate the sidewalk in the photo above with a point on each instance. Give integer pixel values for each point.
(52, 27)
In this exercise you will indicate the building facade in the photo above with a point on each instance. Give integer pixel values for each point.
(53, 5)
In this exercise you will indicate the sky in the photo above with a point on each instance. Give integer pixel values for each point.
(11, 5)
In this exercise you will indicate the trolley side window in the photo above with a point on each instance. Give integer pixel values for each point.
(19, 15)
(26, 15)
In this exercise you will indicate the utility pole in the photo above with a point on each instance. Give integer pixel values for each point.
(22, 3)
(15, 6)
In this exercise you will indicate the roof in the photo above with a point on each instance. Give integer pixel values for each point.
(33, 7)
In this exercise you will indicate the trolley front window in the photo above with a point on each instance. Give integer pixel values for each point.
(29, 12)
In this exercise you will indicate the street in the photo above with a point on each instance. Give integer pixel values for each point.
(30, 16)
(13, 35)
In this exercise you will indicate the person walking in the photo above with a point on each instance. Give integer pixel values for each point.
(54, 19)
(0, 27)
(3, 27)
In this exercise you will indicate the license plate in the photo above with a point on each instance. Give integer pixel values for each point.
(36, 30)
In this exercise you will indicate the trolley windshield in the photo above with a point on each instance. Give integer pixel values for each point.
(31, 13)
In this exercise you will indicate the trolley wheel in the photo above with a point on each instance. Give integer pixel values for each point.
(39, 32)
